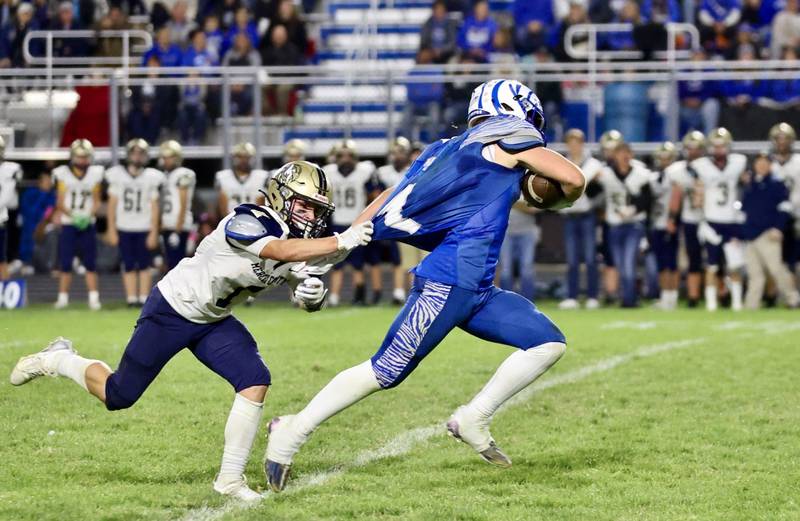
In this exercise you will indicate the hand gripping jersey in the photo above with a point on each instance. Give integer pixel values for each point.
(455, 203)
(135, 195)
(661, 185)
(620, 192)
(590, 167)
(789, 173)
(720, 187)
(78, 191)
(10, 176)
(685, 177)
(222, 273)
(350, 191)
(174, 181)
(242, 190)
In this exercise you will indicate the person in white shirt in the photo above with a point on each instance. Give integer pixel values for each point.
(242, 183)
(786, 167)
(78, 187)
(580, 229)
(177, 193)
(254, 248)
(133, 218)
(663, 238)
(349, 178)
(719, 178)
(10, 176)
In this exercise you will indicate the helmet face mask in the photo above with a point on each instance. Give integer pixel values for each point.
(300, 194)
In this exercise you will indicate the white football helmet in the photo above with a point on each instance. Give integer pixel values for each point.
(508, 97)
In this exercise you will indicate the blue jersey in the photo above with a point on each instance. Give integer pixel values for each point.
(455, 203)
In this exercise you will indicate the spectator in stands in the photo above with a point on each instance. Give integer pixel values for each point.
(41, 14)
(198, 54)
(765, 204)
(604, 11)
(128, 7)
(423, 100)
(68, 47)
(624, 41)
(114, 20)
(477, 33)
(280, 52)
(739, 113)
(786, 28)
(781, 95)
(180, 26)
(576, 14)
(13, 35)
(242, 25)
(214, 36)
(439, 32)
(718, 20)
(533, 20)
(699, 103)
(457, 93)
(503, 53)
(147, 104)
(295, 28)
(168, 53)
(192, 115)
(661, 11)
(226, 12)
(241, 55)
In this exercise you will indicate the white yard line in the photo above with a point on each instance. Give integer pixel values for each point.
(406, 441)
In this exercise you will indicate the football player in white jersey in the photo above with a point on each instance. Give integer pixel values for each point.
(608, 143)
(177, 193)
(379, 252)
(786, 167)
(252, 249)
(663, 238)
(133, 218)
(294, 150)
(685, 210)
(78, 186)
(241, 184)
(10, 176)
(349, 178)
(580, 229)
(720, 176)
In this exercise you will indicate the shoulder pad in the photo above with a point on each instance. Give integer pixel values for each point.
(251, 223)
(512, 134)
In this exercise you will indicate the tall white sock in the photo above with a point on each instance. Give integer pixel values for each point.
(345, 389)
(72, 366)
(672, 298)
(240, 433)
(515, 373)
(736, 295)
(63, 298)
(94, 297)
(711, 298)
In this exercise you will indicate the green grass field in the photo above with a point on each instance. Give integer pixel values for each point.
(657, 416)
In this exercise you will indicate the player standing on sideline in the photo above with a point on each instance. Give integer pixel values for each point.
(177, 193)
(786, 167)
(685, 210)
(608, 143)
(719, 176)
(663, 236)
(10, 176)
(580, 229)
(242, 183)
(133, 218)
(378, 252)
(294, 150)
(454, 201)
(78, 188)
(253, 249)
(349, 178)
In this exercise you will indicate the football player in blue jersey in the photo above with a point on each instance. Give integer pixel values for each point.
(454, 202)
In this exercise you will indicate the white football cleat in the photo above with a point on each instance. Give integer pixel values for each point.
(592, 303)
(284, 442)
(61, 304)
(569, 303)
(467, 426)
(95, 305)
(237, 489)
(38, 364)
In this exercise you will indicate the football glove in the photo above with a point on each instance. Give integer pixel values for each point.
(173, 240)
(81, 221)
(355, 236)
(310, 293)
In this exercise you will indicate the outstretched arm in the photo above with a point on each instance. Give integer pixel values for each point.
(369, 212)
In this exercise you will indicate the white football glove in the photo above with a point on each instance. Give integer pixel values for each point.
(355, 236)
(310, 293)
(173, 240)
(304, 270)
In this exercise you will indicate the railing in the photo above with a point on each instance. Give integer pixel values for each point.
(49, 60)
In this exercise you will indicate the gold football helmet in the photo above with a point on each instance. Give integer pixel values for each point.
(171, 149)
(784, 132)
(694, 139)
(137, 152)
(296, 188)
(720, 137)
(294, 150)
(610, 139)
(666, 152)
(81, 148)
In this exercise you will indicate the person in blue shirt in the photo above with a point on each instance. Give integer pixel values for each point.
(168, 53)
(533, 20)
(34, 205)
(242, 25)
(454, 202)
(476, 37)
(198, 54)
(718, 20)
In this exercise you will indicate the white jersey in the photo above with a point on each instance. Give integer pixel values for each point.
(685, 177)
(10, 176)
(388, 176)
(240, 190)
(174, 181)
(205, 287)
(135, 195)
(78, 191)
(349, 192)
(720, 187)
(789, 173)
(620, 192)
(661, 185)
(590, 167)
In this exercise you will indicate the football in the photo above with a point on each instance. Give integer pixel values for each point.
(541, 192)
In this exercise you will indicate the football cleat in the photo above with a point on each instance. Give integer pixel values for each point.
(37, 364)
(277, 475)
(592, 303)
(237, 489)
(469, 428)
(569, 303)
(282, 446)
